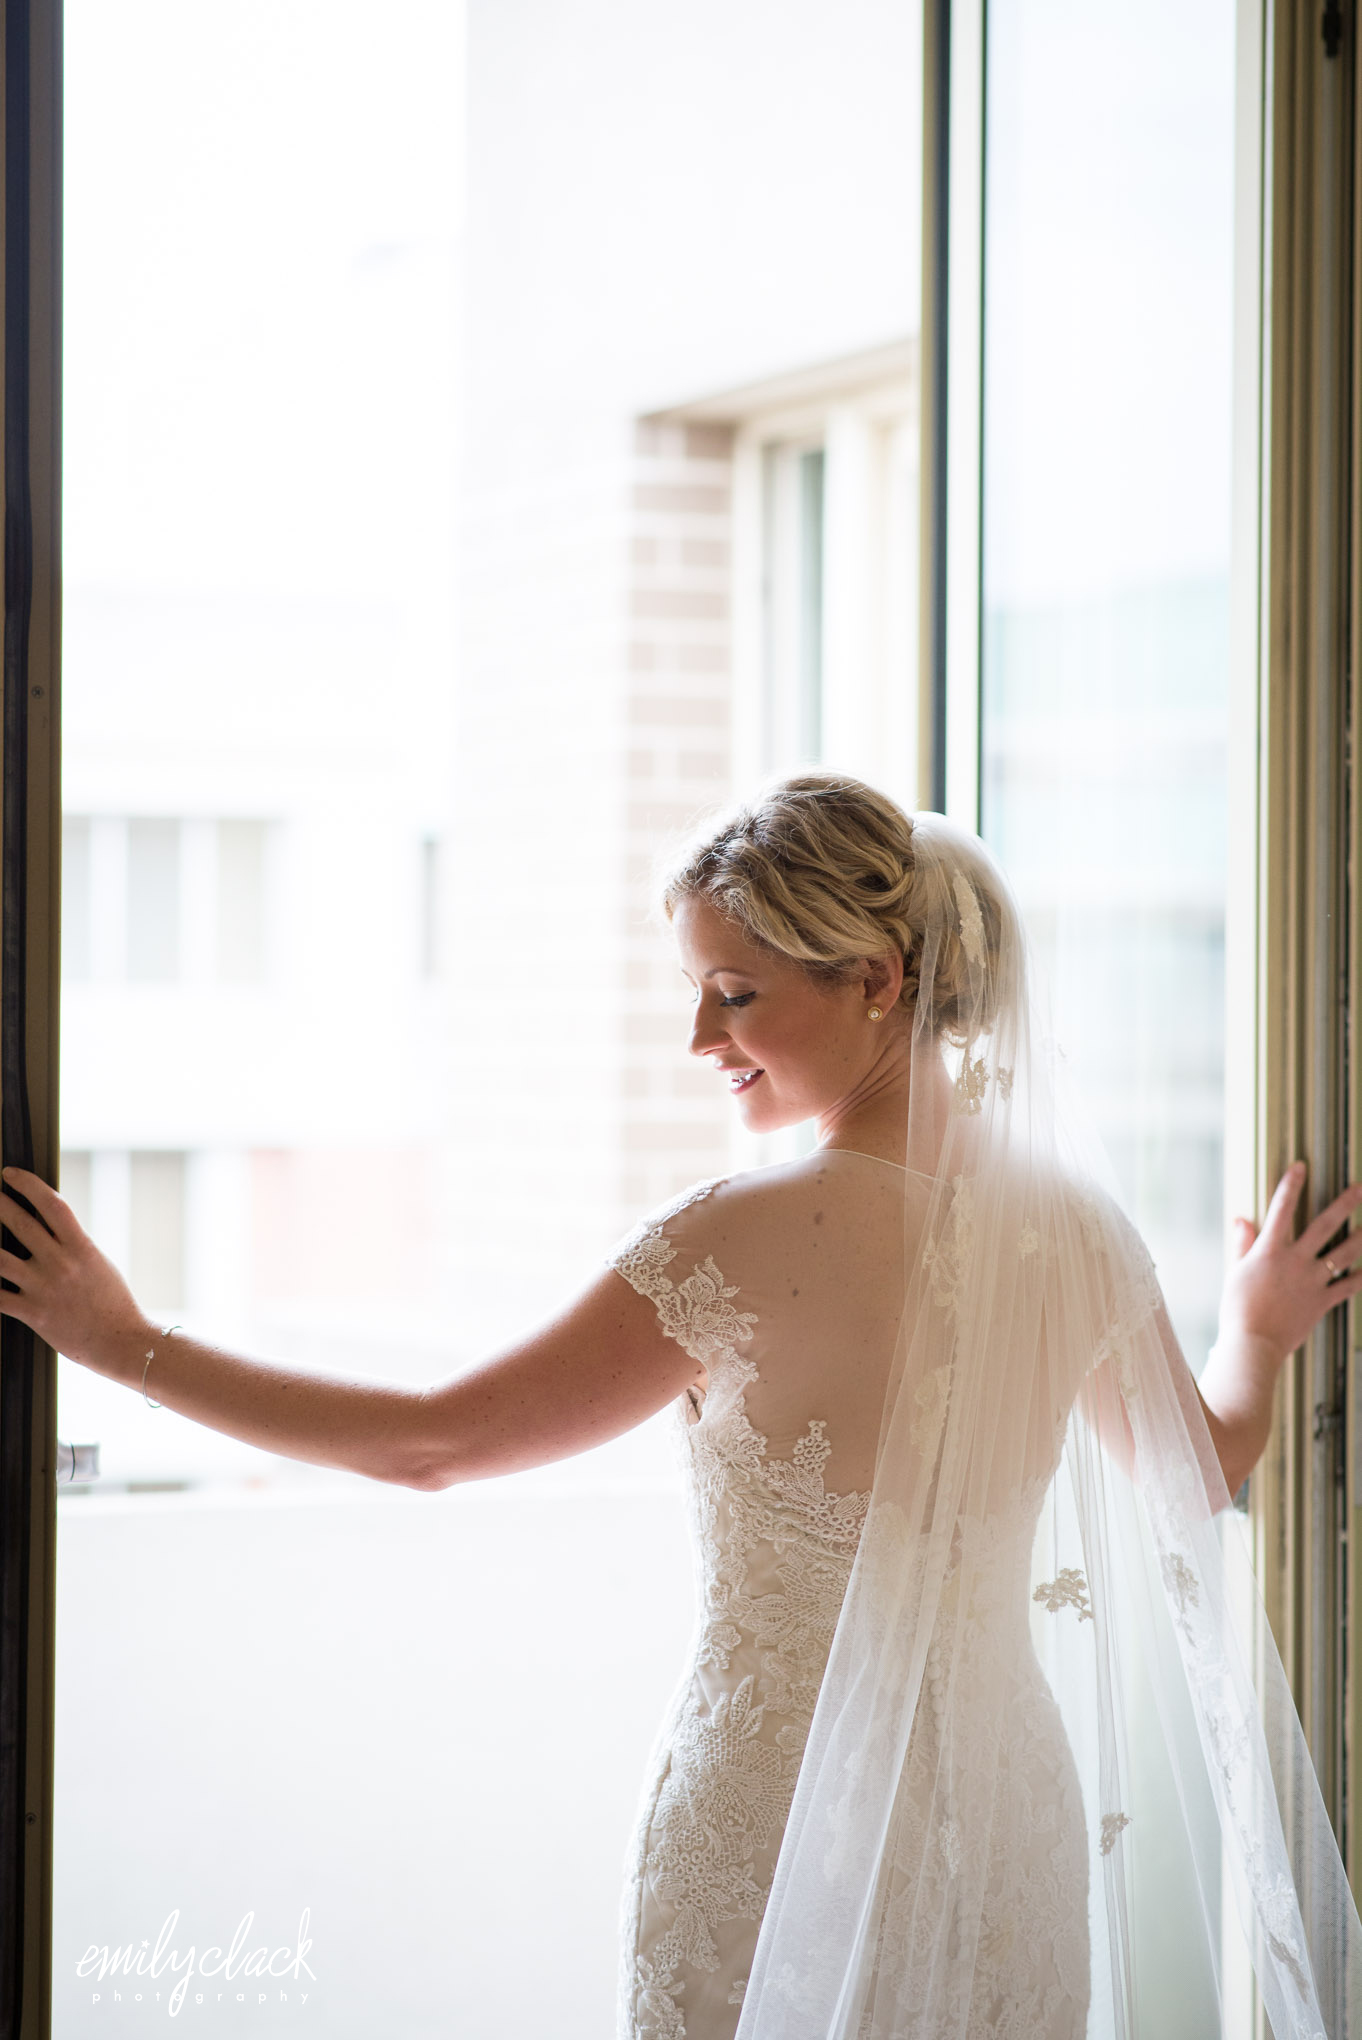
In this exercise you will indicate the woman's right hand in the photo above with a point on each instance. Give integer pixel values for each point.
(1279, 1287)
(1276, 1291)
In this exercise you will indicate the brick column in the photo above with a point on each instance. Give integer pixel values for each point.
(677, 1118)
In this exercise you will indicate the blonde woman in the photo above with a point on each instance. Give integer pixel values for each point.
(969, 1692)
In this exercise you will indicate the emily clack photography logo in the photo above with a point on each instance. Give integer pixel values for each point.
(142, 1974)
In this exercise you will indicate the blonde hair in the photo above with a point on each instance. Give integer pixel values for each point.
(823, 869)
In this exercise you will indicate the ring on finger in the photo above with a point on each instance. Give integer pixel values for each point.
(1334, 1273)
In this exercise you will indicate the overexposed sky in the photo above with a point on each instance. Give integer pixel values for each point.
(1108, 295)
(262, 205)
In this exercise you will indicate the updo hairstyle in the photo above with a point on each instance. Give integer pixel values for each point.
(823, 869)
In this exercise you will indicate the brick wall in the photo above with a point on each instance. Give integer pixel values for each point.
(676, 1123)
(594, 727)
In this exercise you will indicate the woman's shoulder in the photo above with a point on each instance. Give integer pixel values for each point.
(722, 1207)
(665, 1214)
(1088, 1210)
(1092, 1240)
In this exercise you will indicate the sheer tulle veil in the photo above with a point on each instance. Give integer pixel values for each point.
(1045, 1483)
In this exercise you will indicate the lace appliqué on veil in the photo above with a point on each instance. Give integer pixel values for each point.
(948, 1260)
(1069, 1590)
(970, 1085)
(1112, 1824)
(971, 921)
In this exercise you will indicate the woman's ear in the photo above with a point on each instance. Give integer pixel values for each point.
(882, 980)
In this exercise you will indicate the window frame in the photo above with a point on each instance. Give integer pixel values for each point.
(30, 840)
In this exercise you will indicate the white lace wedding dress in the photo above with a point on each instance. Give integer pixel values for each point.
(785, 1285)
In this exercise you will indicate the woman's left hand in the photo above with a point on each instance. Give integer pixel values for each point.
(1278, 1288)
(65, 1289)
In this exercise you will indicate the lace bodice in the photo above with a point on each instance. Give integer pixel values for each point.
(769, 1283)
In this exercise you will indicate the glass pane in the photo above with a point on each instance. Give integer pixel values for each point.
(792, 605)
(1106, 533)
(76, 954)
(1106, 600)
(812, 467)
(417, 375)
(430, 908)
(153, 922)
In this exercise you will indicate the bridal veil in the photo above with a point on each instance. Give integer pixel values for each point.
(1045, 1482)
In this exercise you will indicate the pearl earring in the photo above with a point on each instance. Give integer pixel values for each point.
(874, 1014)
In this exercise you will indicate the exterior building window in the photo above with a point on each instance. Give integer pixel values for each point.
(153, 901)
(134, 1202)
(430, 908)
(162, 900)
(241, 848)
(156, 1228)
(825, 466)
(792, 544)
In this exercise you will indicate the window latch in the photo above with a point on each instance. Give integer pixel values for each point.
(1331, 27)
(77, 1462)
(1328, 1417)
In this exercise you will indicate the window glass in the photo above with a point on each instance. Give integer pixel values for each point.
(792, 585)
(430, 907)
(418, 364)
(811, 466)
(1106, 573)
(75, 904)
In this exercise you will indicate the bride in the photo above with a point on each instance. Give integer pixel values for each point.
(983, 1732)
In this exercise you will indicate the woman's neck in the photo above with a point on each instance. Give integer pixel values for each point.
(908, 1103)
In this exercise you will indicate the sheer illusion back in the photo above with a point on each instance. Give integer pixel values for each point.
(815, 1249)
(787, 1285)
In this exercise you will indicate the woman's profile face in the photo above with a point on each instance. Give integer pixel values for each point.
(789, 1049)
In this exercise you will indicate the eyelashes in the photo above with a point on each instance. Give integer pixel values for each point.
(738, 999)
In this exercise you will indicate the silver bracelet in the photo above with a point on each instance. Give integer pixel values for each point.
(151, 1355)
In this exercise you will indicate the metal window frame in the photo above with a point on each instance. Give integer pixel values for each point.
(30, 824)
(954, 75)
(1306, 1491)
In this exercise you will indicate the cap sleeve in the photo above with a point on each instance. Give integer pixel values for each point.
(695, 1308)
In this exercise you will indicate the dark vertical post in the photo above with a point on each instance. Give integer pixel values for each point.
(17, 1355)
(29, 824)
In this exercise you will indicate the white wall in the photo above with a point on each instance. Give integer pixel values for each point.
(343, 1704)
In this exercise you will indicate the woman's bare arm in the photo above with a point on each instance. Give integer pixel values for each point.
(1276, 1292)
(598, 1369)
